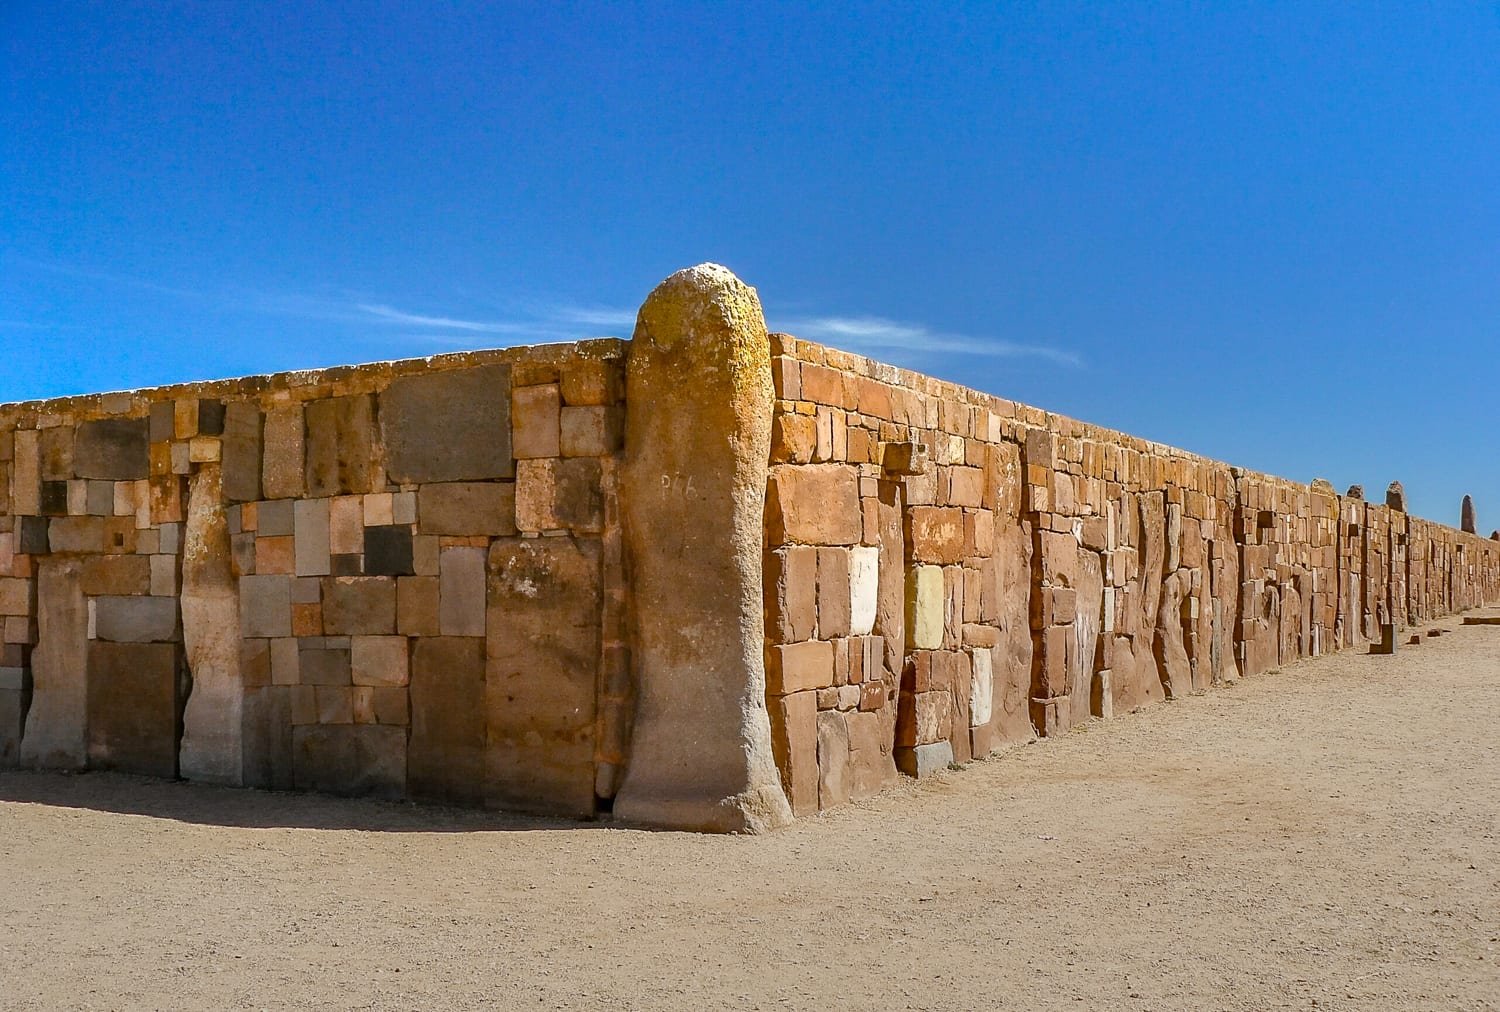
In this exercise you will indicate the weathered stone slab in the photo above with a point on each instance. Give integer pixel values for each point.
(318, 665)
(133, 707)
(448, 426)
(358, 760)
(57, 723)
(461, 608)
(265, 606)
(536, 416)
(794, 739)
(241, 452)
(136, 619)
(542, 666)
(283, 474)
(112, 448)
(359, 606)
(814, 505)
(311, 526)
(466, 509)
(340, 445)
(446, 758)
(388, 551)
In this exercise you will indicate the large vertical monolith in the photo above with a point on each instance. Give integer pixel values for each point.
(1469, 523)
(699, 399)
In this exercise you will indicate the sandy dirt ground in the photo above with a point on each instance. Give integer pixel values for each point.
(1323, 837)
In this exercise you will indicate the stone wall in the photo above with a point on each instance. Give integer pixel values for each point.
(709, 578)
(949, 572)
(402, 580)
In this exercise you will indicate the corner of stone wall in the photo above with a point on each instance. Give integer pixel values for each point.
(693, 483)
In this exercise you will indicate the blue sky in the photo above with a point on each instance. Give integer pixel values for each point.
(1269, 233)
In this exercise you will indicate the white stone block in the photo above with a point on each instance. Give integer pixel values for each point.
(982, 687)
(864, 589)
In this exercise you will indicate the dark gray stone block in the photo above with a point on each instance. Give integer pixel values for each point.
(33, 539)
(55, 498)
(340, 445)
(210, 417)
(446, 755)
(448, 426)
(361, 760)
(388, 551)
(323, 666)
(113, 448)
(242, 452)
(134, 707)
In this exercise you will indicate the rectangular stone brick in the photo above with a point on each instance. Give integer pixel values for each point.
(346, 520)
(241, 452)
(816, 504)
(595, 431)
(379, 660)
(417, 606)
(357, 760)
(592, 381)
(132, 696)
(791, 585)
(359, 606)
(560, 494)
(265, 606)
(317, 665)
(313, 546)
(833, 593)
(446, 757)
(340, 445)
(448, 426)
(135, 619)
(388, 551)
(110, 574)
(112, 448)
(464, 509)
(283, 474)
(542, 674)
(275, 555)
(794, 743)
(536, 419)
(461, 604)
(286, 665)
(795, 667)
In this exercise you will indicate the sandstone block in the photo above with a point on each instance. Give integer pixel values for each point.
(542, 672)
(791, 583)
(135, 619)
(924, 760)
(446, 755)
(815, 504)
(133, 707)
(285, 661)
(560, 494)
(981, 690)
(241, 452)
(461, 592)
(340, 445)
(936, 534)
(417, 600)
(795, 667)
(283, 474)
(593, 431)
(592, 382)
(834, 597)
(465, 509)
(275, 555)
(536, 417)
(346, 525)
(320, 665)
(113, 449)
(350, 759)
(310, 520)
(924, 607)
(448, 426)
(359, 606)
(924, 718)
(794, 740)
(379, 660)
(834, 780)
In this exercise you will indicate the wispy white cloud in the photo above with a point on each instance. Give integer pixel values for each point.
(386, 314)
(874, 333)
(622, 320)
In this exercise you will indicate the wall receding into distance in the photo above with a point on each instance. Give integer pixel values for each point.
(709, 578)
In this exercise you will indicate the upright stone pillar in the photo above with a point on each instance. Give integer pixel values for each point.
(212, 738)
(1470, 523)
(699, 399)
(57, 724)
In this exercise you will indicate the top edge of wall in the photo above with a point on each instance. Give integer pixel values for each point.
(307, 382)
(789, 345)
